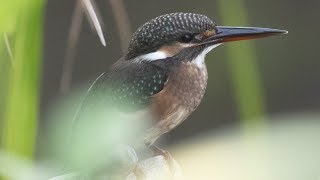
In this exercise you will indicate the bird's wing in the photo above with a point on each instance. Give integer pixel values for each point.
(127, 85)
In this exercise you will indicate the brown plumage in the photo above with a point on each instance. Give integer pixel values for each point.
(178, 99)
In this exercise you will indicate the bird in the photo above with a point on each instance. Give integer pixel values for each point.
(164, 71)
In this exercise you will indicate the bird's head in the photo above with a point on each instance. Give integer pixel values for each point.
(186, 35)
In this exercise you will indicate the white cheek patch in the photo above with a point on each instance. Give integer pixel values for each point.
(161, 53)
(153, 56)
(200, 59)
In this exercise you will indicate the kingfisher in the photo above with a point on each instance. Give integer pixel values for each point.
(163, 72)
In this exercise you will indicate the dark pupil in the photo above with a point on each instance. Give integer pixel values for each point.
(186, 38)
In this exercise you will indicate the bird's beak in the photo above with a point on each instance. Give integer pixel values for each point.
(228, 34)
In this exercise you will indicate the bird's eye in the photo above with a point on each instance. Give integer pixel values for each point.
(186, 38)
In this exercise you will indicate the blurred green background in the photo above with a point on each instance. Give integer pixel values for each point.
(248, 81)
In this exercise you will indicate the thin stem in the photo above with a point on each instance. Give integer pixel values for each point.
(123, 24)
(8, 46)
(92, 15)
(73, 37)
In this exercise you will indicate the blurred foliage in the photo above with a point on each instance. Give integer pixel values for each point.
(95, 137)
(287, 149)
(22, 22)
(9, 12)
(243, 66)
(97, 143)
(217, 155)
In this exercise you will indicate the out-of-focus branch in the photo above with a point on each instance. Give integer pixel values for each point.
(156, 167)
(69, 61)
(92, 14)
(122, 20)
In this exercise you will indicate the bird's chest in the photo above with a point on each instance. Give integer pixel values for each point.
(183, 92)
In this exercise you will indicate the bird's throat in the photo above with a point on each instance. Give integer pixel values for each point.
(200, 59)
